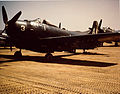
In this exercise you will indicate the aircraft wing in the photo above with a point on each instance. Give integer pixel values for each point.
(101, 37)
(88, 41)
(109, 37)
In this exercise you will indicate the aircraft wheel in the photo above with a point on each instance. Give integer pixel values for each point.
(18, 54)
(49, 56)
(116, 44)
(73, 51)
(100, 44)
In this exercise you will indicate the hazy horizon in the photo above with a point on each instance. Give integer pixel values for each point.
(73, 14)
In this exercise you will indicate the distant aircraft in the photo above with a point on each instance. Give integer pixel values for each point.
(106, 30)
(3, 39)
(41, 36)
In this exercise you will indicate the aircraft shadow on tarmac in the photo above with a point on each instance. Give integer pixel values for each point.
(110, 46)
(89, 53)
(59, 60)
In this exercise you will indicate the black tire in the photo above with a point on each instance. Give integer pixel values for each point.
(100, 44)
(116, 44)
(17, 54)
(49, 56)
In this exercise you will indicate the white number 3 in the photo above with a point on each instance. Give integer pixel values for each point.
(22, 28)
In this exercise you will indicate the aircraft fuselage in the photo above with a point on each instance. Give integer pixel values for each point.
(37, 36)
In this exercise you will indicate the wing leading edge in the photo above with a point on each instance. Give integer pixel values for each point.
(101, 37)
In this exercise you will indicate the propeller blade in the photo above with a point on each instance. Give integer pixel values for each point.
(2, 31)
(59, 25)
(99, 27)
(5, 18)
(11, 48)
(90, 28)
(94, 28)
(15, 18)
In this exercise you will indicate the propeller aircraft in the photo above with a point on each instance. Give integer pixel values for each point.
(41, 36)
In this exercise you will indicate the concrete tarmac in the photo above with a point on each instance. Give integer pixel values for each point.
(96, 72)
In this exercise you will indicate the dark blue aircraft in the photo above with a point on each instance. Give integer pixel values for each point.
(41, 36)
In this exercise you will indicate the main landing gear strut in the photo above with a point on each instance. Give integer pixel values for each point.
(18, 53)
(116, 44)
(84, 51)
(72, 51)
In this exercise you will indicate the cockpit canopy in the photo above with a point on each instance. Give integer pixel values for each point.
(36, 22)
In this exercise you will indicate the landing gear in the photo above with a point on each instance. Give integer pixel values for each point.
(100, 44)
(116, 44)
(18, 53)
(48, 56)
(84, 51)
(73, 51)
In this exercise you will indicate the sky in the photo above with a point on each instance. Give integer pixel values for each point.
(73, 14)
